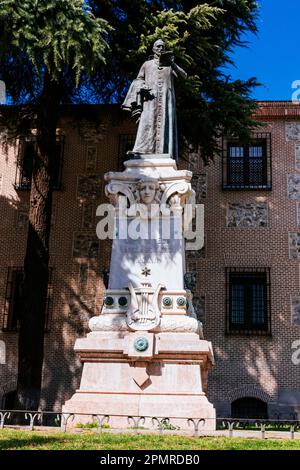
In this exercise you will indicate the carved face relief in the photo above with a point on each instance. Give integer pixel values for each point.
(147, 192)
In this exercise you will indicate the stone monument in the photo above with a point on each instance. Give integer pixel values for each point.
(145, 355)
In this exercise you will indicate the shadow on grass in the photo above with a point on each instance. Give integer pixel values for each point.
(31, 442)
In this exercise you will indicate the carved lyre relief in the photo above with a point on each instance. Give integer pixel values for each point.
(143, 313)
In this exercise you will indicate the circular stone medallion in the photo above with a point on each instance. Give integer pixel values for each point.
(141, 344)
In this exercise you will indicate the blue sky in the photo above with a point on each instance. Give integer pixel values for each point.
(274, 55)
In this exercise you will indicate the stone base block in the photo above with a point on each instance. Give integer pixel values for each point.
(166, 380)
(180, 410)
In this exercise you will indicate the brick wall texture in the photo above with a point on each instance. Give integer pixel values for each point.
(246, 366)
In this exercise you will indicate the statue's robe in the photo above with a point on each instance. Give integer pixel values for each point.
(157, 130)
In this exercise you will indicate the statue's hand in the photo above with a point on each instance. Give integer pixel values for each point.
(146, 94)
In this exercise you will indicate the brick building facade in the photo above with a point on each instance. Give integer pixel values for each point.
(245, 280)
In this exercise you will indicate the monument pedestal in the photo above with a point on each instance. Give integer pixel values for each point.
(168, 381)
(145, 356)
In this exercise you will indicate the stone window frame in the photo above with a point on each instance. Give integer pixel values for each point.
(248, 329)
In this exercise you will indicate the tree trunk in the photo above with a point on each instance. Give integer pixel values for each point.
(36, 263)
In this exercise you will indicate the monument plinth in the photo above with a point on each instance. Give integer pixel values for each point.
(145, 355)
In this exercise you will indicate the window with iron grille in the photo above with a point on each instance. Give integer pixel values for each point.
(14, 299)
(27, 151)
(248, 301)
(247, 166)
(126, 143)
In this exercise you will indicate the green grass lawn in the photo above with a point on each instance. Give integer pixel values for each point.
(26, 440)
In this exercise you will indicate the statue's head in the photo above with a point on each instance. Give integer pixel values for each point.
(158, 47)
(147, 190)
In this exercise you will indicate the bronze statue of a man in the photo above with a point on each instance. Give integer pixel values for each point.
(151, 98)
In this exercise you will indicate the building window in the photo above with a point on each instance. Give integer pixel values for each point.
(126, 143)
(14, 299)
(248, 301)
(249, 408)
(247, 166)
(27, 151)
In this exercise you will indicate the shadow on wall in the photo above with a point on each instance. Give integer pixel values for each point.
(77, 297)
(12, 248)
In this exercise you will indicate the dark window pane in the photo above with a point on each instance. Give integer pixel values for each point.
(236, 171)
(256, 151)
(236, 152)
(238, 304)
(258, 304)
(256, 174)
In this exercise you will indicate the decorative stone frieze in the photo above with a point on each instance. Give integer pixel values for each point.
(298, 214)
(88, 215)
(80, 312)
(192, 255)
(200, 307)
(294, 187)
(91, 158)
(149, 190)
(85, 246)
(190, 281)
(295, 310)
(22, 216)
(92, 131)
(292, 131)
(294, 245)
(199, 185)
(252, 215)
(89, 187)
(83, 276)
(297, 156)
(193, 159)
